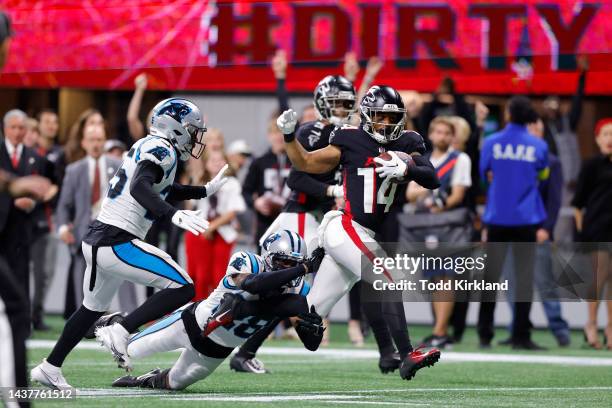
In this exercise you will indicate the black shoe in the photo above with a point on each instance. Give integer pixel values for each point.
(155, 379)
(389, 363)
(106, 320)
(223, 315)
(39, 325)
(484, 344)
(247, 365)
(506, 342)
(527, 345)
(417, 359)
(563, 340)
(440, 342)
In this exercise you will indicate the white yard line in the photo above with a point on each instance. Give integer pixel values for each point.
(447, 356)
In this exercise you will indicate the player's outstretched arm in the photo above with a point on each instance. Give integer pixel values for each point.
(317, 161)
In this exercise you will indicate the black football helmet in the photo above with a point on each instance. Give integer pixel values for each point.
(380, 103)
(334, 99)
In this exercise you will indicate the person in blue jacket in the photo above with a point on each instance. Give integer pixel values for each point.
(513, 162)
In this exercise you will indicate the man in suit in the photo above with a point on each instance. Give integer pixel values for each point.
(15, 220)
(83, 189)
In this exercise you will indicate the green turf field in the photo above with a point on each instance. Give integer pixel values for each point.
(326, 379)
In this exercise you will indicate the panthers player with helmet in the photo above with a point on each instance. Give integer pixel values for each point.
(312, 195)
(114, 246)
(274, 277)
(369, 190)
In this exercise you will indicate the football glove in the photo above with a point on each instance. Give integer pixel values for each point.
(217, 182)
(315, 260)
(191, 221)
(395, 168)
(286, 121)
(310, 328)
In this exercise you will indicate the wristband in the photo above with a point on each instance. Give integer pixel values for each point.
(289, 138)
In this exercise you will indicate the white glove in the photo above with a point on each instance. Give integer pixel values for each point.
(217, 182)
(395, 168)
(191, 221)
(286, 121)
(336, 190)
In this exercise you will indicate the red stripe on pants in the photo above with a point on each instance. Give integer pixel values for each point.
(347, 224)
(301, 224)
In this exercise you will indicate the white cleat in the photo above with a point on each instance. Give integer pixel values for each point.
(49, 376)
(115, 339)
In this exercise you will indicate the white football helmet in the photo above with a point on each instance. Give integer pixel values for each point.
(180, 121)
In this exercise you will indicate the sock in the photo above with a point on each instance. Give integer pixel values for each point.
(373, 312)
(73, 333)
(158, 305)
(395, 317)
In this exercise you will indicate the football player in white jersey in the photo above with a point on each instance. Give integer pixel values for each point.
(114, 248)
(275, 279)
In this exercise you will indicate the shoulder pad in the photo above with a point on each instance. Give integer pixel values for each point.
(244, 262)
(157, 150)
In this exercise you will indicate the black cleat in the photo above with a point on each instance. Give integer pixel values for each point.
(155, 379)
(527, 345)
(389, 363)
(223, 315)
(417, 359)
(106, 320)
(247, 365)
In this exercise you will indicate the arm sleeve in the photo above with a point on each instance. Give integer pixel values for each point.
(265, 282)
(148, 173)
(180, 192)
(424, 173)
(281, 95)
(303, 182)
(576, 109)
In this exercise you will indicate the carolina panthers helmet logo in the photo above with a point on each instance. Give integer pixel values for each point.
(175, 109)
(238, 263)
(270, 240)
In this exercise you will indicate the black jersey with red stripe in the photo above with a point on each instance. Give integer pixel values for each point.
(369, 197)
(309, 191)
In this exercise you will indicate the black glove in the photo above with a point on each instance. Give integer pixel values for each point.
(310, 328)
(315, 259)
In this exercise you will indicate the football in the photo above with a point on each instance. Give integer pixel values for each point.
(405, 157)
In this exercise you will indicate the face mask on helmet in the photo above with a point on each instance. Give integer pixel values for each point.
(338, 109)
(384, 124)
(196, 146)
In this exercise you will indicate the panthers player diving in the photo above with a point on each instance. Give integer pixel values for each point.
(114, 246)
(369, 190)
(274, 279)
(312, 195)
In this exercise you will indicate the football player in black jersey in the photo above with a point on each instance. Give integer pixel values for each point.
(369, 191)
(312, 195)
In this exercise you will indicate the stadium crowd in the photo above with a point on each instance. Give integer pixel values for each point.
(478, 199)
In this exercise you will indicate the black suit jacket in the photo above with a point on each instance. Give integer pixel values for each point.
(15, 225)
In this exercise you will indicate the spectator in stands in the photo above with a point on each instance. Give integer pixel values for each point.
(513, 161)
(32, 134)
(16, 224)
(209, 253)
(115, 148)
(135, 126)
(239, 155)
(83, 190)
(592, 202)
(74, 148)
(454, 171)
(265, 188)
(215, 142)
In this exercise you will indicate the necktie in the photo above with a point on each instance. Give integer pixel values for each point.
(95, 186)
(15, 158)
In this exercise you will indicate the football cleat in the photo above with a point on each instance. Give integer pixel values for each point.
(441, 342)
(156, 379)
(106, 320)
(223, 315)
(247, 365)
(389, 363)
(49, 376)
(417, 359)
(115, 339)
